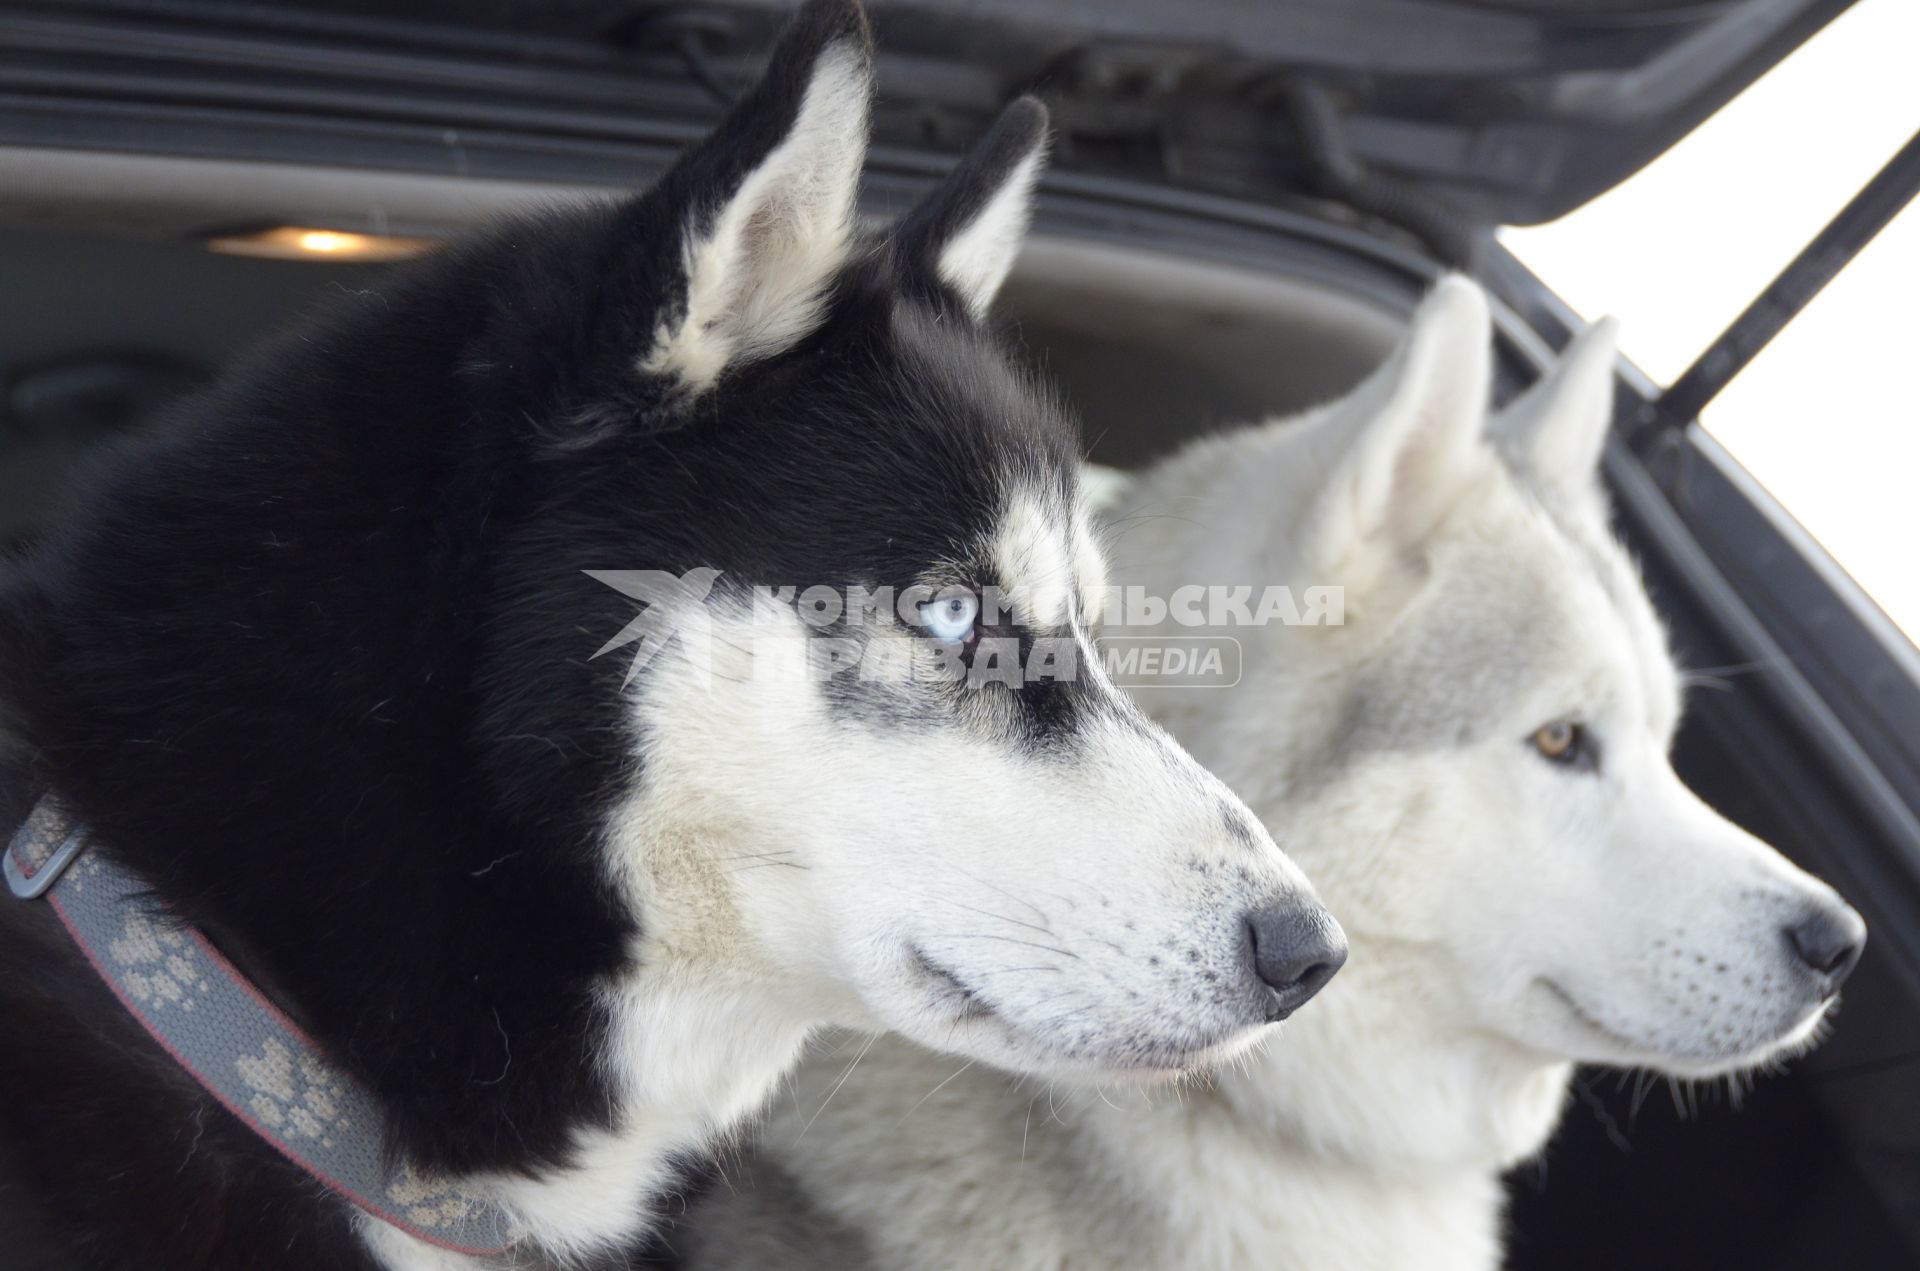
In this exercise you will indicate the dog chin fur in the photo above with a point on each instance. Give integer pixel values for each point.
(1393, 756)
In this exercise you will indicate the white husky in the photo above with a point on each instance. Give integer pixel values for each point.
(1474, 769)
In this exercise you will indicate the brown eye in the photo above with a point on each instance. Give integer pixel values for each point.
(1565, 743)
(1554, 740)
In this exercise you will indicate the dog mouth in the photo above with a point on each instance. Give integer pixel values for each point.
(1137, 1058)
(1683, 1059)
(1580, 1013)
(961, 999)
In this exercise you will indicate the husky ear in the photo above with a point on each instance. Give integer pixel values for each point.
(769, 202)
(1554, 431)
(1389, 459)
(967, 233)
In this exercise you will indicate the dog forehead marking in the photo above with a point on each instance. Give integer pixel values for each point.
(1033, 556)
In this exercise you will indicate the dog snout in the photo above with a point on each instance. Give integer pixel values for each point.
(1828, 941)
(1295, 949)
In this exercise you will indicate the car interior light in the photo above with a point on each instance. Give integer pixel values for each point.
(304, 242)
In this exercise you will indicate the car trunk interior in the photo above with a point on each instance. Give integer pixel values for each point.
(114, 305)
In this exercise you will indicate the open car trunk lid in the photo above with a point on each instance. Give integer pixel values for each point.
(1443, 116)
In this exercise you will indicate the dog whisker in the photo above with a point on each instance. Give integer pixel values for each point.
(1044, 930)
(1032, 944)
(1014, 897)
(836, 1087)
(936, 1090)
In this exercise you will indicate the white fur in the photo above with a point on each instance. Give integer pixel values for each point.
(757, 278)
(696, 1053)
(976, 260)
(1090, 563)
(1103, 489)
(1035, 546)
(1508, 918)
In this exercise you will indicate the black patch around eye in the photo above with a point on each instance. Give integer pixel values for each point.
(1054, 707)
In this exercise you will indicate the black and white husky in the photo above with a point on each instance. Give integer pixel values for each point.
(318, 665)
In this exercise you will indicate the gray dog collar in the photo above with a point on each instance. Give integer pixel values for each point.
(237, 1044)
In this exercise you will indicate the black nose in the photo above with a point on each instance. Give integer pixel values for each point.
(1296, 949)
(1829, 940)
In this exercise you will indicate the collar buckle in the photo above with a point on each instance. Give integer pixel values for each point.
(42, 848)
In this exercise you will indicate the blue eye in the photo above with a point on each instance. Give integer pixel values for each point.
(951, 616)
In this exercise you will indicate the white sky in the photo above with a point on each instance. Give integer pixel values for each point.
(1828, 416)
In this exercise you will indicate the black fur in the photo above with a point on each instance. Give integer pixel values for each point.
(313, 660)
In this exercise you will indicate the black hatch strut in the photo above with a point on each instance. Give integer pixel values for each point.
(1339, 173)
(1864, 216)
